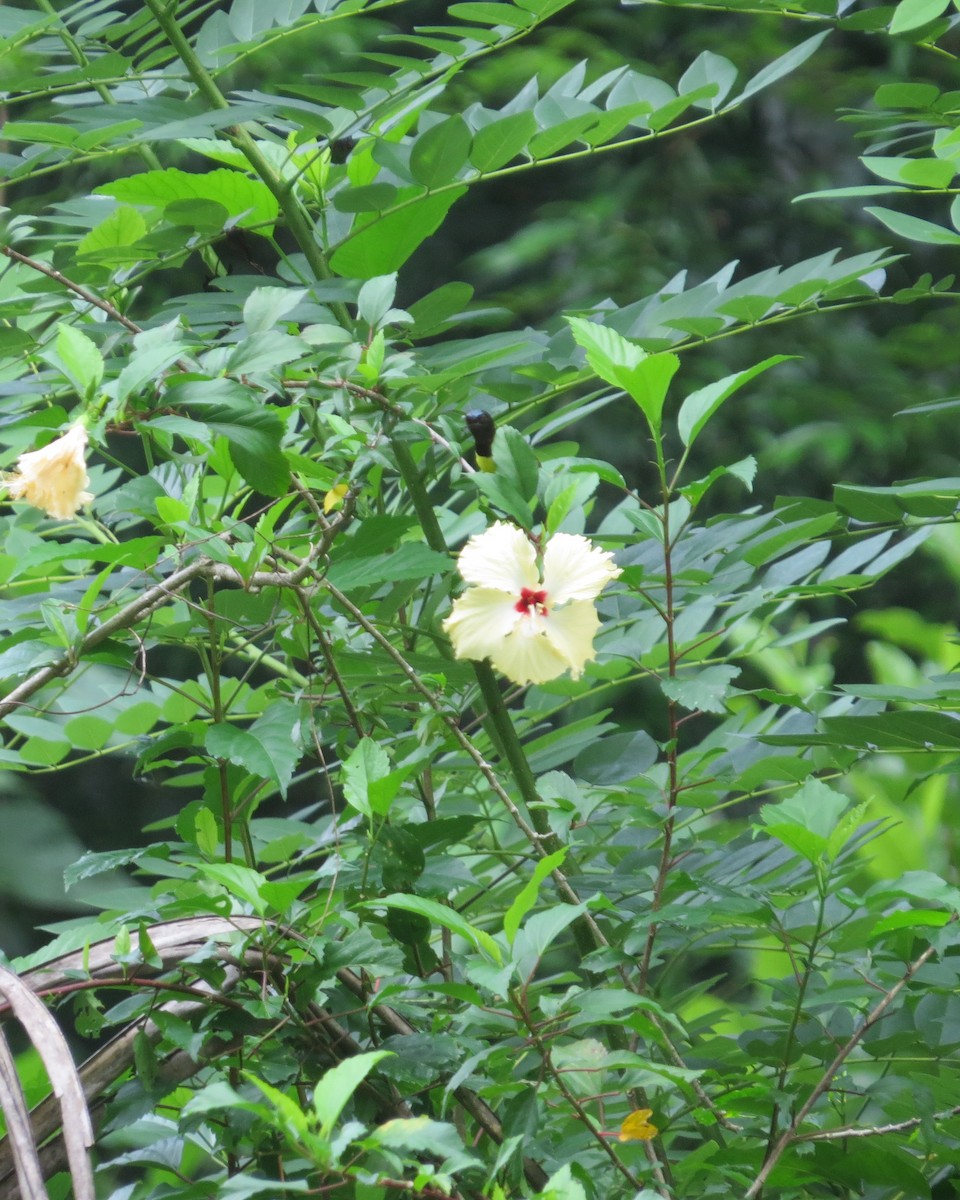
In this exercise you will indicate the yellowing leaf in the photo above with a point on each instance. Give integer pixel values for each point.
(334, 498)
(637, 1127)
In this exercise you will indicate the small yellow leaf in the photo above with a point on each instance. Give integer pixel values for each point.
(637, 1127)
(334, 498)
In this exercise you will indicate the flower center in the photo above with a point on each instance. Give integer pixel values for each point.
(532, 602)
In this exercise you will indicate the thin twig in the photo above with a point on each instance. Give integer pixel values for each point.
(790, 1135)
(51, 273)
(862, 1131)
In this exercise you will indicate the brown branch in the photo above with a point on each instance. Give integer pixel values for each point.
(160, 594)
(58, 276)
(862, 1131)
(790, 1134)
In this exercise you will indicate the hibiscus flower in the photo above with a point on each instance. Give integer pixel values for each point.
(532, 627)
(54, 478)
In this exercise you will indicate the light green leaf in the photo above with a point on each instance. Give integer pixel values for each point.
(805, 821)
(513, 457)
(699, 406)
(379, 245)
(915, 229)
(937, 173)
(912, 14)
(267, 749)
(243, 882)
(781, 66)
(644, 377)
(248, 201)
(440, 914)
(701, 690)
(82, 361)
(110, 241)
(369, 785)
(336, 1086)
(527, 897)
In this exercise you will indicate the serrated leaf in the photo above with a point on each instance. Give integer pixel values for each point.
(266, 749)
(248, 201)
(701, 690)
(81, 359)
(335, 1088)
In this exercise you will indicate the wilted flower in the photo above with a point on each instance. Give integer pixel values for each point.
(531, 628)
(55, 477)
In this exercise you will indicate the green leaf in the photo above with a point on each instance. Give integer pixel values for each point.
(527, 897)
(701, 690)
(539, 933)
(440, 914)
(618, 759)
(915, 229)
(912, 14)
(781, 66)
(411, 560)
(927, 498)
(513, 457)
(709, 69)
(110, 242)
(249, 202)
(699, 406)
(336, 1086)
(497, 144)
(243, 882)
(268, 749)
(562, 1186)
(934, 173)
(618, 361)
(380, 245)
(491, 14)
(369, 785)
(439, 153)
(82, 361)
(805, 821)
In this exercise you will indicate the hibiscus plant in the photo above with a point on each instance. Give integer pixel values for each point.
(517, 837)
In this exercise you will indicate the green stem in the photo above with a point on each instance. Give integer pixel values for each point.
(296, 218)
(498, 723)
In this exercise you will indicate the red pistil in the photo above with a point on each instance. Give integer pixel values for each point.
(532, 601)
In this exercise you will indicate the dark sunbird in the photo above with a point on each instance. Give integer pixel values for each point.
(481, 425)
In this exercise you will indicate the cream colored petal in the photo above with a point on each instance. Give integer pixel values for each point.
(570, 630)
(500, 557)
(55, 477)
(480, 621)
(528, 657)
(574, 569)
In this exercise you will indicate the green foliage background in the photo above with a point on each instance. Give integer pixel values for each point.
(347, 915)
